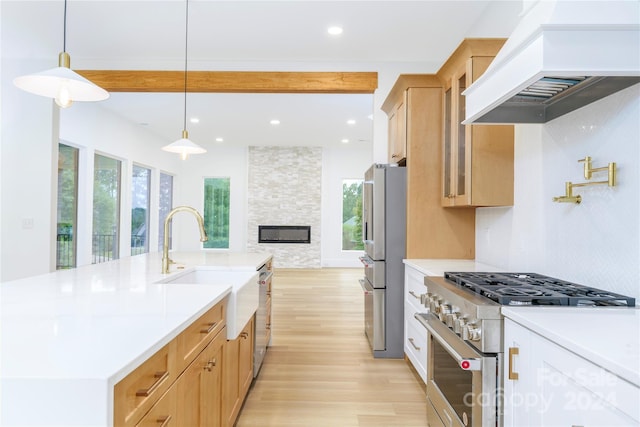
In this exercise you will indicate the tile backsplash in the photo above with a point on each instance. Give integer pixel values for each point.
(595, 243)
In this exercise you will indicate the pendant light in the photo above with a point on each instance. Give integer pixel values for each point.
(61, 83)
(184, 146)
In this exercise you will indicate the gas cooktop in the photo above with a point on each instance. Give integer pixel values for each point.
(534, 289)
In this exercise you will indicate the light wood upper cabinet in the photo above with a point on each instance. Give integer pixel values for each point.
(477, 159)
(398, 132)
(432, 231)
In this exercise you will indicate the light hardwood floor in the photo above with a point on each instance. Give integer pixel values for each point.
(319, 370)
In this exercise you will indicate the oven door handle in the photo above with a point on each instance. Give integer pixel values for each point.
(469, 361)
(366, 261)
(364, 286)
(265, 277)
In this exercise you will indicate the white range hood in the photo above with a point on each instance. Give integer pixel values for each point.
(563, 54)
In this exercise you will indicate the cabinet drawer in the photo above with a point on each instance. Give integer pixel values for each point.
(414, 287)
(163, 413)
(137, 392)
(195, 338)
(415, 345)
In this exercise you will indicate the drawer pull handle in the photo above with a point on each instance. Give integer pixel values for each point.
(164, 420)
(244, 335)
(211, 327)
(414, 344)
(513, 351)
(160, 377)
(413, 294)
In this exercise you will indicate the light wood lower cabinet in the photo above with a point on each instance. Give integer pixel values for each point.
(237, 373)
(181, 384)
(200, 387)
(164, 413)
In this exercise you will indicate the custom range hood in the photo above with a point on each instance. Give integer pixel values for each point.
(563, 55)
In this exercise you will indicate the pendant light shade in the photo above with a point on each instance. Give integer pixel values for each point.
(184, 146)
(61, 83)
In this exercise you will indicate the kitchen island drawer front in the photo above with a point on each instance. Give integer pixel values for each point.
(137, 392)
(414, 288)
(163, 413)
(196, 337)
(415, 345)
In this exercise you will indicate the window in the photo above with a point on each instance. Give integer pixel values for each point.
(106, 209)
(352, 215)
(166, 204)
(216, 212)
(140, 185)
(67, 207)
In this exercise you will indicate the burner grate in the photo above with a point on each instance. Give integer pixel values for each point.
(535, 289)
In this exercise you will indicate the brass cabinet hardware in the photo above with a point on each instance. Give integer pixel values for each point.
(160, 377)
(414, 344)
(210, 365)
(513, 351)
(588, 174)
(164, 420)
(211, 327)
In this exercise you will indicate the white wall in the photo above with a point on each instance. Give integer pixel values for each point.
(337, 165)
(222, 160)
(595, 243)
(28, 142)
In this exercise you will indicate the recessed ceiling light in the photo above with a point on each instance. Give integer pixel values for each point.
(345, 141)
(218, 139)
(194, 120)
(351, 122)
(334, 30)
(275, 122)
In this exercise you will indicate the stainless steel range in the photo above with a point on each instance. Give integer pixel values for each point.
(465, 337)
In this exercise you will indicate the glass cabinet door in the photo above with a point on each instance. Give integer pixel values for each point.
(446, 174)
(461, 145)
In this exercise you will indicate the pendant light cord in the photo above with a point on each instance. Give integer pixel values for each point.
(186, 44)
(64, 28)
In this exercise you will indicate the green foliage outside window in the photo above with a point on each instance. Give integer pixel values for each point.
(216, 212)
(352, 215)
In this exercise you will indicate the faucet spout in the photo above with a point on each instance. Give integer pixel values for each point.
(166, 261)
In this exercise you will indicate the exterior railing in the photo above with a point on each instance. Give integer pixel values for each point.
(104, 248)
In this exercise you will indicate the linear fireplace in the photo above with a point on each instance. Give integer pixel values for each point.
(284, 234)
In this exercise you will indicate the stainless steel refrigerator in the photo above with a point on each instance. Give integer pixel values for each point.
(384, 231)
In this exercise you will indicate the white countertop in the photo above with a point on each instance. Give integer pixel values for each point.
(437, 267)
(606, 336)
(66, 338)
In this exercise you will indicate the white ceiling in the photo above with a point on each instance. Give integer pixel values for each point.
(250, 35)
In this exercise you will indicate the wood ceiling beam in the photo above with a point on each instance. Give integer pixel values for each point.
(234, 81)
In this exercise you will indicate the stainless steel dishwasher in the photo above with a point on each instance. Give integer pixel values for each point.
(263, 317)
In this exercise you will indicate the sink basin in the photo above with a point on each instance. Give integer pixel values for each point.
(243, 301)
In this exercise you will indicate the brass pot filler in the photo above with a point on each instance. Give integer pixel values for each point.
(588, 173)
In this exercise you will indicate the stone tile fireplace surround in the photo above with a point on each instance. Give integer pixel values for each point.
(285, 186)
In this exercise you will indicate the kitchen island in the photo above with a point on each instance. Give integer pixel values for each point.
(66, 338)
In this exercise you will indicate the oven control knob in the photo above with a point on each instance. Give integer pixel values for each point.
(443, 311)
(471, 332)
(434, 304)
(452, 318)
(458, 325)
(424, 299)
